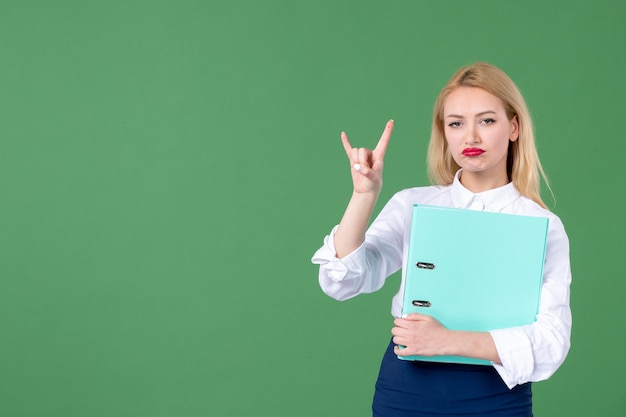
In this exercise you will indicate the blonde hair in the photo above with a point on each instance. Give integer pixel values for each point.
(523, 166)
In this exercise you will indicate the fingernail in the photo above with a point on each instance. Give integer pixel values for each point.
(357, 167)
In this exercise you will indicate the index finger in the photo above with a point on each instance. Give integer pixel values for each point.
(415, 316)
(381, 147)
(346, 144)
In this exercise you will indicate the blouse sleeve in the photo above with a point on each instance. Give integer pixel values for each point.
(534, 352)
(366, 269)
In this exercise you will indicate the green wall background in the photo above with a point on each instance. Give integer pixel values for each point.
(168, 168)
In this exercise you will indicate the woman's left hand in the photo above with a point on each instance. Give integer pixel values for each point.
(421, 335)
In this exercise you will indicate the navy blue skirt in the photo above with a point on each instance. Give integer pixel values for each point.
(428, 389)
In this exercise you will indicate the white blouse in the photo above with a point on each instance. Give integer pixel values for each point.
(528, 353)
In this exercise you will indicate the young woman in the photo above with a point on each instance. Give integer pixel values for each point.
(481, 156)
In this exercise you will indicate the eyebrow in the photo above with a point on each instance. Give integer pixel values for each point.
(482, 113)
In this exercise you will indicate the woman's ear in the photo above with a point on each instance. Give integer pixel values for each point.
(514, 129)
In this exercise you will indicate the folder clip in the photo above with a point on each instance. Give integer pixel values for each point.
(425, 265)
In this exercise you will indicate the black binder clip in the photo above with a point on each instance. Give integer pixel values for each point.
(425, 265)
(421, 303)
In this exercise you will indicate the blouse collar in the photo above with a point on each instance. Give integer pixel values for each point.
(492, 200)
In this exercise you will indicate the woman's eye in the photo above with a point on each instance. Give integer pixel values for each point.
(487, 121)
(454, 124)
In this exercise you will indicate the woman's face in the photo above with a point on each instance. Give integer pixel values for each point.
(478, 133)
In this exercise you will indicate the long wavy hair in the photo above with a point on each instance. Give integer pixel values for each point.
(523, 166)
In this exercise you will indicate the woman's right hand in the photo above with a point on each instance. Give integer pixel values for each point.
(367, 178)
(367, 165)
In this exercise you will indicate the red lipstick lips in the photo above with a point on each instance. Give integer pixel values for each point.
(472, 151)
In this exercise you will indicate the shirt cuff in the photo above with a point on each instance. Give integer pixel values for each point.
(337, 269)
(516, 356)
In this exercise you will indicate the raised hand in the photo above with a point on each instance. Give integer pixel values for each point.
(367, 165)
(367, 177)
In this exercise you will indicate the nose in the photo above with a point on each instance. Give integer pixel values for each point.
(471, 136)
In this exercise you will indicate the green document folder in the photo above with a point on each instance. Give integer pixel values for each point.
(474, 270)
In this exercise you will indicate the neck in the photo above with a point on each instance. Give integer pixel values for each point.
(477, 182)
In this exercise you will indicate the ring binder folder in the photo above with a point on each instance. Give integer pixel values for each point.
(488, 275)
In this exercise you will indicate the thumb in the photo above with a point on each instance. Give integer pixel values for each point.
(362, 169)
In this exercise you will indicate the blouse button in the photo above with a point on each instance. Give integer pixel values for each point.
(477, 204)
